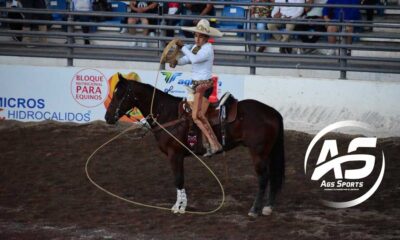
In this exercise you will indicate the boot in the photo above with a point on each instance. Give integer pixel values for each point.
(212, 139)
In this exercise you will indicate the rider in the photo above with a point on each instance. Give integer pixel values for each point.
(201, 56)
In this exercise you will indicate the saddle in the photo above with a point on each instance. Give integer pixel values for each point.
(220, 113)
(225, 110)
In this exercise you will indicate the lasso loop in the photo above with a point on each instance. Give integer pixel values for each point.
(151, 115)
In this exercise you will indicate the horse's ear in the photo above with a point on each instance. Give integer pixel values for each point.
(121, 78)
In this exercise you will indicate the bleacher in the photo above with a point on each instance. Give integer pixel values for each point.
(237, 48)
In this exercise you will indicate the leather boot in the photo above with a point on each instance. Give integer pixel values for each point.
(212, 139)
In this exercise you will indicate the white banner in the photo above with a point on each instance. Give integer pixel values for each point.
(70, 94)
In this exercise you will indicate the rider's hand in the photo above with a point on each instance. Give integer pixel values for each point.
(173, 63)
(179, 44)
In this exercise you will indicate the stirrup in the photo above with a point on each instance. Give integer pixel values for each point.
(210, 152)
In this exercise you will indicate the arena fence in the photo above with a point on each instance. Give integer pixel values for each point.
(371, 51)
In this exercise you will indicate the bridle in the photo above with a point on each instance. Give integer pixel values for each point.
(127, 95)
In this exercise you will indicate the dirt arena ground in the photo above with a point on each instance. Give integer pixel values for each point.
(44, 192)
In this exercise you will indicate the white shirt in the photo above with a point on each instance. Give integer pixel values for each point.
(82, 5)
(202, 62)
(291, 12)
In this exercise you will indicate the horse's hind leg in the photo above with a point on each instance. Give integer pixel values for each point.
(270, 201)
(262, 172)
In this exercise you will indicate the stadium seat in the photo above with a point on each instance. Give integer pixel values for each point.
(233, 12)
(117, 7)
(58, 5)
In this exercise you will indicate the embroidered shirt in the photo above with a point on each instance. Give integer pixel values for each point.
(202, 62)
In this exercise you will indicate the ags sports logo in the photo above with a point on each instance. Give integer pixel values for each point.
(356, 174)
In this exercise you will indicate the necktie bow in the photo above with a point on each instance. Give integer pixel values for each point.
(196, 50)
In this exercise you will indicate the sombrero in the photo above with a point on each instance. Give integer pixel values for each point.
(203, 27)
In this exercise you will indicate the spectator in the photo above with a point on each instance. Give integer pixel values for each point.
(172, 8)
(285, 12)
(101, 6)
(39, 4)
(261, 12)
(15, 15)
(190, 9)
(370, 12)
(142, 7)
(83, 6)
(311, 13)
(349, 14)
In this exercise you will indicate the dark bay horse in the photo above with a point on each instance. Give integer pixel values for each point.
(257, 126)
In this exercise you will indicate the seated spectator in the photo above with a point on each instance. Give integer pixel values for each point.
(285, 12)
(349, 14)
(83, 6)
(190, 9)
(369, 11)
(40, 4)
(142, 7)
(101, 6)
(172, 8)
(311, 13)
(15, 15)
(261, 12)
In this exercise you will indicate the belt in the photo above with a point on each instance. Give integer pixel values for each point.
(198, 82)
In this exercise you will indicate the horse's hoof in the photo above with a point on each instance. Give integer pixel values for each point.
(175, 209)
(267, 211)
(181, 210)
(253, 214)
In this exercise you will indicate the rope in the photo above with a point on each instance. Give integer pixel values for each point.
(162, 60)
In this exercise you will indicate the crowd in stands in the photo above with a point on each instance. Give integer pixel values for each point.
(284, 14)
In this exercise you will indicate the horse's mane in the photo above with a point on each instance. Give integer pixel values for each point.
(158, 93)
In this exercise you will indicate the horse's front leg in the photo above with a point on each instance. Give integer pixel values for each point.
(176, 161)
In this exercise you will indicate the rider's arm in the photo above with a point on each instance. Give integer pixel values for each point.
(202, 55)
(183, 60)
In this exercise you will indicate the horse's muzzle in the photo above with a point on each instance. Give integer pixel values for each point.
(110, 119)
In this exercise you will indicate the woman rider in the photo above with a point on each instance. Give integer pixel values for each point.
(201, 56)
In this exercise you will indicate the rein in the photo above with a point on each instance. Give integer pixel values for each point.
(169, 124)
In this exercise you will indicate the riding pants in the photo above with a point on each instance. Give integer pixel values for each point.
(203, 90)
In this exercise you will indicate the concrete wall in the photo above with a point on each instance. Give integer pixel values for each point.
(310, 104)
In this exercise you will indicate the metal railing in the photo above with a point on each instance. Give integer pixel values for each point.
(380, 54)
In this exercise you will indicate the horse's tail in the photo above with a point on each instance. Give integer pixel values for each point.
(277, 160)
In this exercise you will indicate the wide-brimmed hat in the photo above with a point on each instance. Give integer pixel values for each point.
(203, 27)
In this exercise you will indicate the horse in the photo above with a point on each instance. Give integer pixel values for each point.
(256, 126)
